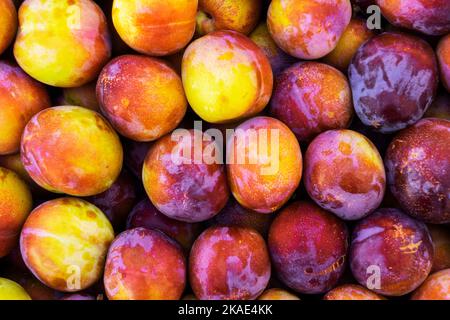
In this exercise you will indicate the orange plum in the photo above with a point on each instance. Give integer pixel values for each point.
(71, 150)
(15, 205)
(155, 27)
(21, 97)
(8, 23)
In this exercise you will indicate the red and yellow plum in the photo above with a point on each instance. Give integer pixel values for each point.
(144, 264)
(229, 263)
(308, 247)
(344, 174)
(391, 252)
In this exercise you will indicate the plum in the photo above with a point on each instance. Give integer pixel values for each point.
(15, 205)
(8, 26)
(310, 98)
(183, 183)
(344, 174)
(394, 79)
(229, 263)
(64, 243)
(70, 39)
(10, 290)
(117, 202)
(86, 166)
(308, 247)
(431, 17)
(441, 240)
(418, 170)
(308, 29)
(443, 55)
(226, 77)
(391, 253)
(264, 164)
(277, 294)
(435, 287)
(142, 97)
(144, 264)
(352, 292)
(155, 27)
(21, 97)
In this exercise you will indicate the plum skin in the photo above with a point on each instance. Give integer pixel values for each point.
(298, 228)
(229, 263)
(394, 79)
(418, 170)
(144, 264)
(344, 174)
(397, 245)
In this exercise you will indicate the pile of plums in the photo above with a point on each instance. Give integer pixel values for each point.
(224, 149)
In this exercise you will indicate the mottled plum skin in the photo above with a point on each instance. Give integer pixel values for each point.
(117, 202)
(155, 27)
(15, 205)
(226, 77)
(21, 97)
(66, 239)
(8, 25)
(145, 215)
(418, 170)
(69, 38)
(279, 60)
(396, 245)
(430, 17)
(344, 174)
(236, 215)
(144, 264)
(353, 37)
(441, 241)
(308, 246)
(310, 98)
(241, 16)
(229, 263)
(277, 294)
(308, 29)
(351, 292)
(394, 79)
(141, 96)
(435, 287)
(71, 150)
(263, 179)
(182, 185)
(443, 55)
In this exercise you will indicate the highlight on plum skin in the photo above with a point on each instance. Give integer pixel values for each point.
(308, 248)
